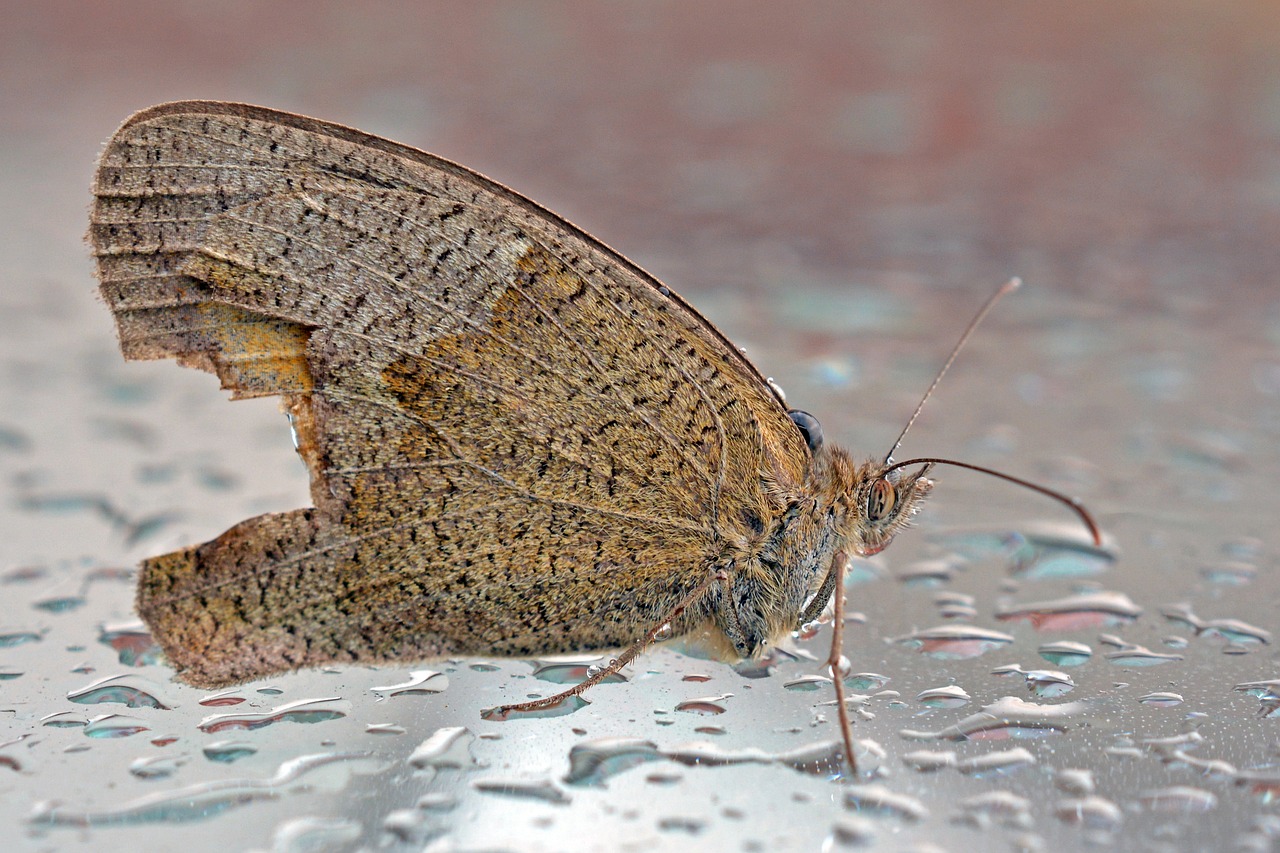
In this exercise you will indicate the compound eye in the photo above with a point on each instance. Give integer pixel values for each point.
(881, 500)
(808, 426)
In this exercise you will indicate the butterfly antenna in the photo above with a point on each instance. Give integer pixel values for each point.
(1005, 289)
(1075, 505)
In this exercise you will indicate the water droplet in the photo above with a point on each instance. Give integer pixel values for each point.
(696, 677)
(1066, 653)
(132, 643)
(1232, 630)
(384, 729)
(140, 529)
(1134, 655)
(1179, 799)
(663, 778)
(593, 762)
(1075, 612)
(224, 699)
(112, 574)
(1091, 812)
(763, 666)
(877, 799)
(502, 713)
(195, 802)
(114, 726)
(708, 706)
(436, 801)
(421, 682)
(227, 751)
(996, 763)
(951, 598)
(848, 832)
(131, 690)
(17, 636)
(1161, 700)
(1268, 694)
(1184, 740)
(1007, 717)
(70, 502)
(957, 611)
(219, 479)
(948, 696)
(449, 746)
(1076, 781)
(819, 758)
(997, 807)
(304, 834)
(930, 761)
(866, 681)
(1244, 548)
(59, 604)
(1264, 785)
(573, 671)
(1045, 683)
(1036, 552)
(408, 826)
(807, 683)
(1174, 752)
(302, 711)
(926, 573)
(64, 720)
(955, 642)
(528, 789)
(1261, 689)
(1232, 573)
(157, 767)
(24, 574)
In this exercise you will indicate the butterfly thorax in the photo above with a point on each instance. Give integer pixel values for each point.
(782, 575)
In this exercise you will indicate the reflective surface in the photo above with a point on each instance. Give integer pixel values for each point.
(838, 191)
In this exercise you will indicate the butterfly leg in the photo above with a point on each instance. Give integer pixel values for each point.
(818, 603)
(836, 576)
(616, 664)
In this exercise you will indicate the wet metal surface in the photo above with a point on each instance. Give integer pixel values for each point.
(838, 188)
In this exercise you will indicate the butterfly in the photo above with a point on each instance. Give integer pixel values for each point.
(519, 443)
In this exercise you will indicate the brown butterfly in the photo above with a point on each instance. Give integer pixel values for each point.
(519, 442)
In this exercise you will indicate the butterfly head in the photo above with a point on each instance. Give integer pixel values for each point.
(882, 502)
(872, 502)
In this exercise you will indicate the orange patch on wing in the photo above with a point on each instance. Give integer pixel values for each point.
(256, 356)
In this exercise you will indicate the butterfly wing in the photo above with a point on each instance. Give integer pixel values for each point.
(518, 441)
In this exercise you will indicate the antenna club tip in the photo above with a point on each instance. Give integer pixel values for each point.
(1011, 285)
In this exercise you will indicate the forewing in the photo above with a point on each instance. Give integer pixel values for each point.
(518, 441)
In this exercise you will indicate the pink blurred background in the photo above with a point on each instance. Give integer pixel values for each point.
(1116, 147)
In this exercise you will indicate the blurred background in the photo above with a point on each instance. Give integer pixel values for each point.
(837, 185)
